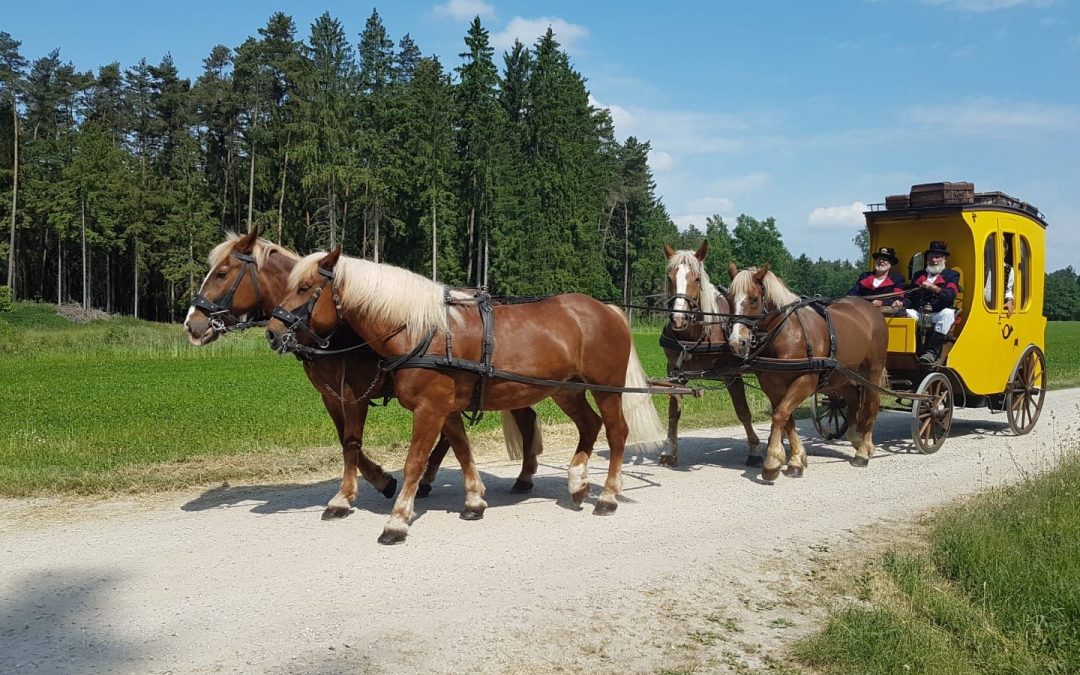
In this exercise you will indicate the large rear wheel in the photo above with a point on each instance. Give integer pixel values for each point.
(931, 414)
(830, 415)
(1027, 389)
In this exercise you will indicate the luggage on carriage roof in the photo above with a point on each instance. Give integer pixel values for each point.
(942, 194)
(897, 202)
(1002, 199)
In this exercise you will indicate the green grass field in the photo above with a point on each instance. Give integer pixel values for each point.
(994, 587)
(126, 405)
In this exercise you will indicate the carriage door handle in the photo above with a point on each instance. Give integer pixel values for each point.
(1006, 331)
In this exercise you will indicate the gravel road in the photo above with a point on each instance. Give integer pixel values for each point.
(701, 567)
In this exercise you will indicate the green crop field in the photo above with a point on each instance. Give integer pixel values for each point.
(126, 405)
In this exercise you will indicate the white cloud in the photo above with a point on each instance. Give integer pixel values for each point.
(980, 6)
(843, 217)
(713, 205)
(465, 9)
(684, 220)
(978, 116)
(660, 160)
(529, 30)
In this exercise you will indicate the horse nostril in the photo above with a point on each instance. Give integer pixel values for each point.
(271, 336)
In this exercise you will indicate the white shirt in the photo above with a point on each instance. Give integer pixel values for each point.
(988, 290)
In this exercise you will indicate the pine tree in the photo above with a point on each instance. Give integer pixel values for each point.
(12, 65)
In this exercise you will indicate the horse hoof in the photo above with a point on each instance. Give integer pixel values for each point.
(860, 461)
(472, 514)
(668, 460)
(770, 474)
(521, 487)
(605, 508)
(334, 513)
(391, 488)
(390, 538)
(755, 460)
(423, 490)
(794, 472)
(580, 495)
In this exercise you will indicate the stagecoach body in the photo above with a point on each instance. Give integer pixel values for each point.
(990, 358)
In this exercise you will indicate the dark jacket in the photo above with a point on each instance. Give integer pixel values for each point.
(949, 283)
(894, 283)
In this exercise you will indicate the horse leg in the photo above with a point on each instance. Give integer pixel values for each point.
(426, 426)
(454, 431)
(670, 455)
(868, 409)
(349, 418)
(525, 418)
(797, 392)
(610, 405)
(854, 435)
(438, 454)
(797, 460)
(737, 391)
(588, 423)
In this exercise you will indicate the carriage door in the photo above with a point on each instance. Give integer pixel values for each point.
(991, 296)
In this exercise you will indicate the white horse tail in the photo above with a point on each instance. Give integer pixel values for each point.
(645, 427)
(514, 441)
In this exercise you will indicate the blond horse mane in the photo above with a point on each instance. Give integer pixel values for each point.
(261, 251)
(707, 299)
(384, 293)
(777, 295)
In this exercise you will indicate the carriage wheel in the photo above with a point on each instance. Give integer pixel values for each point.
(830, 415)
(1027, 389)
(931, 418)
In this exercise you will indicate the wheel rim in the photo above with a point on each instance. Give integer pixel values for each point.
(1027, 389)
(932, 418)
(830, 416)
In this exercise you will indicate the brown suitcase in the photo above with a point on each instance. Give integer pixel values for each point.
(897, 202)
(942, 194)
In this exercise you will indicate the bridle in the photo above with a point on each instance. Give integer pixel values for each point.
(694, 304)
(299, 319)
(222, 320)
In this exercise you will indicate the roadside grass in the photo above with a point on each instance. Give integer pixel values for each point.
(1063, 354)
(991, 586)
(128, 405)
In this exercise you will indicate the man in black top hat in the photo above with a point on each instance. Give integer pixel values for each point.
(935, 290)
(881, 286)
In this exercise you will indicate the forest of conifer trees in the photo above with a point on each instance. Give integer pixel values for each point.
(117, 182)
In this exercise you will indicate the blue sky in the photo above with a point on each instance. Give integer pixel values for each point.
(803, 111)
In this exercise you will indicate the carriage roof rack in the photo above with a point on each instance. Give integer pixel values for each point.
(952, 196)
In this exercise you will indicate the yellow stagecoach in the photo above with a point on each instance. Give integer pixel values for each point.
(993, 353)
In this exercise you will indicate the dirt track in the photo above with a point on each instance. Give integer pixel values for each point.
(697, 569)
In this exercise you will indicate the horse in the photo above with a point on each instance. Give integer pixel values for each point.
(695, 302)
(564, 344)
(247, 276)
(795, 330)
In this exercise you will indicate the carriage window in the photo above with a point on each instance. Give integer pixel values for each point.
(1025, 273)
(990, 265)
(917, 263)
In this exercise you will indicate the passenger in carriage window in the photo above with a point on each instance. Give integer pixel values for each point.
(933, 292)
(1010, 279)
(881, 286)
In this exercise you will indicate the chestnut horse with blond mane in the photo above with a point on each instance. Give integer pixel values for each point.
(695, 305)
(247, 278)
(566, 342)
(795, 331)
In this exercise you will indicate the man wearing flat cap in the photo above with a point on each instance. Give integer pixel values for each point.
(881, 286)
(934, 291)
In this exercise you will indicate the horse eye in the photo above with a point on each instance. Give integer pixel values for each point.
(304, 288)
(221, 274)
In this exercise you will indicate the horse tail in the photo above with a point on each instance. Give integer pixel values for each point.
(513, 436)
(645, 427)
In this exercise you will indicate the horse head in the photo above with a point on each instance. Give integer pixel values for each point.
(228, 294)
(748, 301)
(314, 313)
(686, 281)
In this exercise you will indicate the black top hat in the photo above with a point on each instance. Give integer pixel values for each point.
(887, 253)
(937, 247)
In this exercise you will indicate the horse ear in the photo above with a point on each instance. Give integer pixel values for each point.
(732, 270)
(330, 259)
(702, 251)
(246, 243)
(760, 274)
(668, 251)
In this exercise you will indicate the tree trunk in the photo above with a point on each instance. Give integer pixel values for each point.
(331, 200)
(85, 274)
(434, 242)
(367, 217)
(59, 272)
(225, 188)
(108, 283)
(487, 261)
(14, 199)
(626, 262)
(135, 280)
(345, 216)
(281, 197)
(251, 177)
(469, 248)
(378, 216)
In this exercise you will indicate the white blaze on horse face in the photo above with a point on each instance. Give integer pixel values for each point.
(678, 317)
(739, 338)
(191, 312)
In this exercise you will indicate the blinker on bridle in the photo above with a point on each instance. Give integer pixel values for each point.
(222, 320)
(693, 303)
(299, 319)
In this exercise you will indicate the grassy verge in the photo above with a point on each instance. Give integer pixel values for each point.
(1063, 353)
(994, 587)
